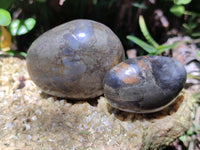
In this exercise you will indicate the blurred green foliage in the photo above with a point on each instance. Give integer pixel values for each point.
(20, 27)
(6, 4)
(5, 17)
(191, 26)
(33, 17)
(16, 27)
(178, 9)
(198, 54)
(152, 47)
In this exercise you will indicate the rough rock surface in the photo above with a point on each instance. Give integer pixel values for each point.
(31, 120)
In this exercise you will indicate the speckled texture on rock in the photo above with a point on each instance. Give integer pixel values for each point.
(144, 84)
(33, 121)
(73, 58)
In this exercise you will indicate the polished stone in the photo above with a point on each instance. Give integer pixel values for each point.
(71, 60)
(144, 84)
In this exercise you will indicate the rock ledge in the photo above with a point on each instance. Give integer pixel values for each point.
(33, 120)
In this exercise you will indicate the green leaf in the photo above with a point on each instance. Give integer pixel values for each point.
(138, 5)
(23, 54)
(183, 138)
(5, 4)
(18, 27)
(14, 26)
(182, 2)
(163, 48)
(145, 32)
(177, 10)
(85, 132)
(30, 23)
(94, 2)
(193, 76)
(186, 26)
(196, 34)
(111, 3)
(16, 53)
(148, 48)
(198, 54)
(11, 53)
(22, 30)
(191, 131)
(5, 17)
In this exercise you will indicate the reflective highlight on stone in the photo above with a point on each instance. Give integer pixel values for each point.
(144, 84)
(71, 60)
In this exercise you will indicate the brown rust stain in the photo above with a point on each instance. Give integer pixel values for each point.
(115, 61)
(130, 80)
(142, 64)
(145, 56)
(118, 58)
(119, 69)
(127, 79)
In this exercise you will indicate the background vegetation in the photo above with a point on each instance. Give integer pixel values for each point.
(30, 18)
(144, 25)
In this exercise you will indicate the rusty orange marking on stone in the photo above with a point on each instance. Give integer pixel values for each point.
(127, 79)
(130, 80)
(115, 61)
(119, 69)
(142, 64)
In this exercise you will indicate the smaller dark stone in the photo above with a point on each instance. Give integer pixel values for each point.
(144, 84)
